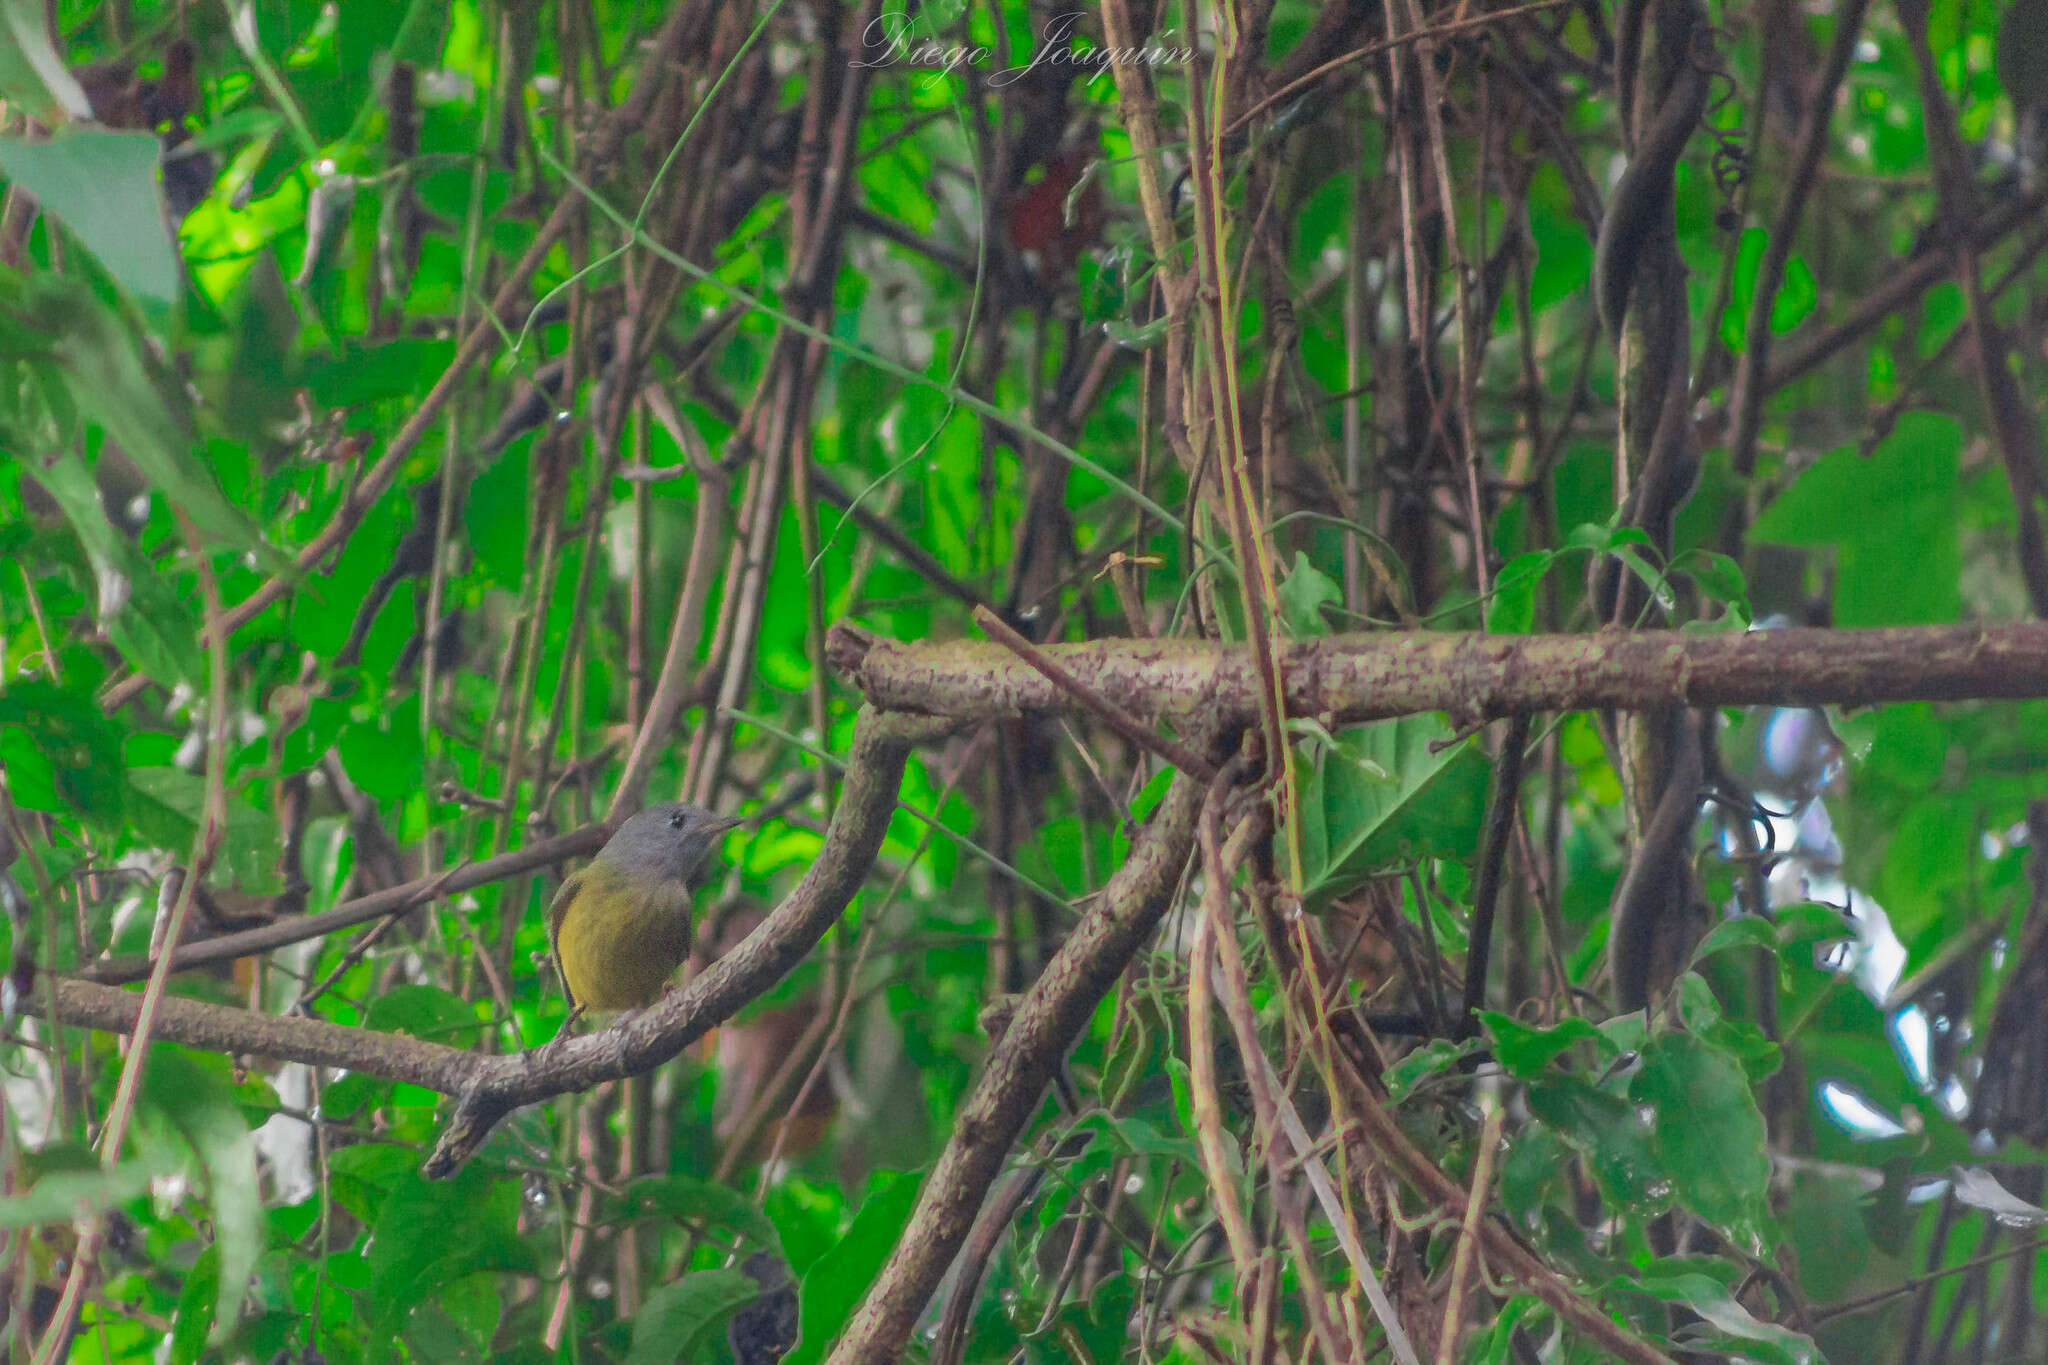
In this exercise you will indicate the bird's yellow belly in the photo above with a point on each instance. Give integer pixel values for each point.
(622, 957)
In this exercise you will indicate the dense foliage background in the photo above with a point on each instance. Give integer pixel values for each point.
(430, 429)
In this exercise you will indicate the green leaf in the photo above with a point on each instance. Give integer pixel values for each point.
(1811, 922)
(1607, 539)
(1133, 337)
(1709, 1135)
(1710, 1298)
(103, 185)
(1512, 609)
(1892, 520)
(1698, 1007)
(1796, 297)
(198, 1308)
(495, 514)
(431, 1233)
(719, 1209)
(110, 384)
(430, 1334)
(1432, 1058)
(678, 1316)
(61, 1196)
(834, 1283)
(1747, 931)
(424, 1011)
(72, 741)
(1302, 596)
(1136, 1052)
(356, 374)
(1532, 1174)
(1383, 797)
(167, 804)
(1525, 1052)
(1927, 862)
(1748, 1044)
(143, 616)
(1720, 578)
(33, 78)
(1130, 1136)
(202, 1106)
(1611, 1135)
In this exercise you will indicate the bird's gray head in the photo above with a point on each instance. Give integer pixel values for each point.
(670, 840)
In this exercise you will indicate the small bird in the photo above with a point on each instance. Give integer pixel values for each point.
(621, 925)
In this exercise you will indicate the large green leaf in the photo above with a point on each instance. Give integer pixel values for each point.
(1707, 1296)
(146, 619)
(833, 1285)
(202, 1106)
(1381, 796)
(61, 1196)
(425, 1011)
(1891, 519)
(1524, 1051)
(168, 804)
(103, 185)
(718, 1209)
(431, 1233)
(1609, 1132)
(673, 1322)
(67, 739)
(1709, 1133)
(106, 379)
(198, 1308)
(33, 78)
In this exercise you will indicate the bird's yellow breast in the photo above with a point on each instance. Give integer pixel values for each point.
(618, 938)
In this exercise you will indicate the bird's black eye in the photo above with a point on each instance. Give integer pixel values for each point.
(675, 819)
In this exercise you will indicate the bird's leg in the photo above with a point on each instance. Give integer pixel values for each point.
(553, 1045)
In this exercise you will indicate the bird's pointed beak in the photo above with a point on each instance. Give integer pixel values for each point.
(721, 823)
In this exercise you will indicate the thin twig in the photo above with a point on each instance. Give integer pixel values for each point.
(1500, 822)
(205, 841)
(1468, 1237)
(1202, 1084)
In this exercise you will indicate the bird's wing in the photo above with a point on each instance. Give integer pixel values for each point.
(557, 909)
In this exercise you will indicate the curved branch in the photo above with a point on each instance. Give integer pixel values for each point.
(490, 1087)
(1352, 678)
(1019, 1069)
(239, 1032)
(496, 1086)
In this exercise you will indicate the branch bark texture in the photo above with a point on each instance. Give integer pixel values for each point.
(1019, 1070)
(1352, 678)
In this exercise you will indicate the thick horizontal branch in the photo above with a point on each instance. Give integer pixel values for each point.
(243, 1033)
(1474, 677)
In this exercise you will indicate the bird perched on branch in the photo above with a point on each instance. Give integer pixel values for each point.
(621, 926)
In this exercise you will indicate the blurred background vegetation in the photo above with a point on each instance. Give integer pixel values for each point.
(411, 410)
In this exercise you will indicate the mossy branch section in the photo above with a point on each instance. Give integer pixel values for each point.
(1352, 678)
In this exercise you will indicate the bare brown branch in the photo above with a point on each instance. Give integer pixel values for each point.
(1351, 678)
